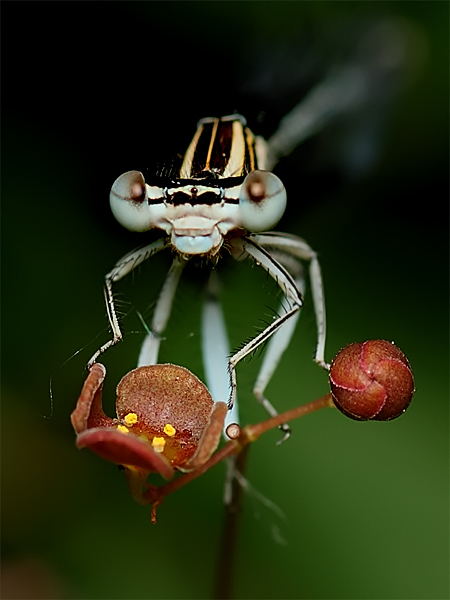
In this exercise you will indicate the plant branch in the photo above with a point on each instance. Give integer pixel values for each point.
(226, 558)
(248, 435)
(254, 431)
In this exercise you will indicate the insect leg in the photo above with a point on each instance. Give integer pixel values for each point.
(294, 247)
(124, 266)
(293, 294)
(150, 347)
(281, 339)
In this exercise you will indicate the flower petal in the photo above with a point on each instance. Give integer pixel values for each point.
(124, 449)
(89, 412)
(165, 394)
(210, 438)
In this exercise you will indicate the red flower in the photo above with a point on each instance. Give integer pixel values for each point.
(371, 380)
(166, 420)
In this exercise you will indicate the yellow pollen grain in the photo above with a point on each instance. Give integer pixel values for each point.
(158, 444)
(122, 428)
(169, 430)
(131, 419)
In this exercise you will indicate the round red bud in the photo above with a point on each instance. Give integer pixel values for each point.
(371, 381)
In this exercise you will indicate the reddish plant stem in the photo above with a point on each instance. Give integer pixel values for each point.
(249, 434)
(254, 431)
(232, 447)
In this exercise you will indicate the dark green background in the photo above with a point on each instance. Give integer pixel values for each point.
(91, 90)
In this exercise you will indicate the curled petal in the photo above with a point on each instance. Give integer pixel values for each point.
(210, 438)
(89, 412)
(124, 449)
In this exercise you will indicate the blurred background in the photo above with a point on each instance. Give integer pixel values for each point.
(91, 90)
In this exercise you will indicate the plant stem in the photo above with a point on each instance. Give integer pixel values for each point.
(232, 447)
(254, 431)
(249, 434)
(226, 559)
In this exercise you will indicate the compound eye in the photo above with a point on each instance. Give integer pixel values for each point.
(129, 201)
(262, 201)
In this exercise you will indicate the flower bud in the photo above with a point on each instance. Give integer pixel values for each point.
(371, 380)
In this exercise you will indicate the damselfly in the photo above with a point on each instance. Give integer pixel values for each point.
(222, 199)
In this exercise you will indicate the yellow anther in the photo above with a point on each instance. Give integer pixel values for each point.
(158, 444)
(131, 419)
(122, 428)
(169, 430)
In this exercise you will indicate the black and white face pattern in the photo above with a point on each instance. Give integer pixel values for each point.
(221, 186)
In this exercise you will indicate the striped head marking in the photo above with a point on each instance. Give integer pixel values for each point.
(219, 187)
